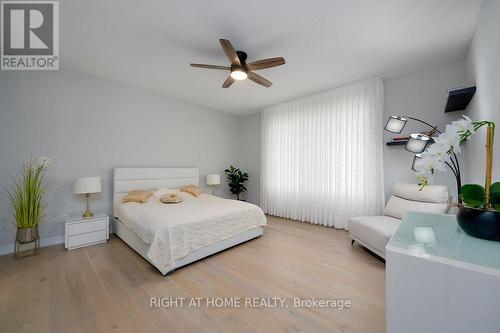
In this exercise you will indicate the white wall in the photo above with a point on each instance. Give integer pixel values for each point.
(250, 160)
(422, 95)
(483, 70)
(89, 126)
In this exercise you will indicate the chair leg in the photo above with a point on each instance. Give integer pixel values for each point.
(352, 242)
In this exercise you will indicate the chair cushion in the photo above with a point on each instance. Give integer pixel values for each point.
(430, 193)
(397, 207)
(375, 231)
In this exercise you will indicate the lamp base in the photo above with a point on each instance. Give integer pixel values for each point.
(212, 188)
(88, 214)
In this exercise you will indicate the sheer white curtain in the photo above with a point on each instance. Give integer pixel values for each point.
(322, 155)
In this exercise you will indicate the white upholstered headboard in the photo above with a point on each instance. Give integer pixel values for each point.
(127, 179)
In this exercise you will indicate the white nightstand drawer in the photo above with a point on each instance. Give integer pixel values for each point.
(81, 232)
(87, 226)
(87, 239)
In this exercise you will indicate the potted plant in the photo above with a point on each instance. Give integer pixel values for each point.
(479, 207)
(26, 199)
(236, 179)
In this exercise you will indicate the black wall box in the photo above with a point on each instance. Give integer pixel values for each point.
(458, 99)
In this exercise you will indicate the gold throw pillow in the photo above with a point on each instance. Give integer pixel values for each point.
(191, 189)
(140, 196)
(170, 198)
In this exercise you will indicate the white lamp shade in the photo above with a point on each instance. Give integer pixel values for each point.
(84, 185)
(417, 143)
(417, 159)
(395, 124)
(213, 179)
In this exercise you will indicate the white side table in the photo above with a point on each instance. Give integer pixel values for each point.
(80, 232)
(439, 279)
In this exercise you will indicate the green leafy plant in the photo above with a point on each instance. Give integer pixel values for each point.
(495, 195)
(27, 192)
(474, 195)
(236, 179)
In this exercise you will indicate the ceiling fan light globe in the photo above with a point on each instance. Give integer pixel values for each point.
(239, 74)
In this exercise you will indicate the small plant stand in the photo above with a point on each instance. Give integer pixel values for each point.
(22, 241)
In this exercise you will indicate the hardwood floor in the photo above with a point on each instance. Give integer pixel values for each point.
(109, 287)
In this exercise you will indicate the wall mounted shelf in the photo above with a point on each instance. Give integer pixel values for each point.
(396, 143)
(458, 99)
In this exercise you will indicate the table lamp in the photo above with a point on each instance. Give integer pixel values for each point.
(213, 181)
(87, 185)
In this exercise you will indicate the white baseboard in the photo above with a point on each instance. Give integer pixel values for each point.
(7, 249)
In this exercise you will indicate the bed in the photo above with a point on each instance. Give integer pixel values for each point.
(170, 236)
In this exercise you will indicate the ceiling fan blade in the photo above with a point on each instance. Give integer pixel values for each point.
(266, 63)
(229, 81)
(211, 66)
(259, 79)
(230, 52)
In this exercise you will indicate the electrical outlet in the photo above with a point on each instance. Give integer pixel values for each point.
(64, 217)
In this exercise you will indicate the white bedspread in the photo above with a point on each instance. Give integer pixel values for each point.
(175, 230)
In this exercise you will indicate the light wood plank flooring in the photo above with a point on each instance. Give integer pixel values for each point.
(108, 287)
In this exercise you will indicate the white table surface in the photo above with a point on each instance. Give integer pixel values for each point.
(439, 279)
(439, 238)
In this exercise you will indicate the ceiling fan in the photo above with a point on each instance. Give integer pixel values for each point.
(239, 69)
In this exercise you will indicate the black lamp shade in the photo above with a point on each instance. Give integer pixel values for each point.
(417, 143)
(395, 124)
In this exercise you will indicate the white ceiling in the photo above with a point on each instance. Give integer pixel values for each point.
(326, 43)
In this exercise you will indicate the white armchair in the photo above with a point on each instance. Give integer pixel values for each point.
(374, 232)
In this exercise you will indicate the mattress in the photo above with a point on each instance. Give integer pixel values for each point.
(175, 230)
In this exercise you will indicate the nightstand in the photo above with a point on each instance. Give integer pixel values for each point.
(80, 232)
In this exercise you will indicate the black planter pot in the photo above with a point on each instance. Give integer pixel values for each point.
(480, 223)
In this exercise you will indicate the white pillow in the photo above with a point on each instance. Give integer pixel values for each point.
(431, 193)
(163, 190)
(397, 207)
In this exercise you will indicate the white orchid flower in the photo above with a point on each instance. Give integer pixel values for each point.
(450, 139)
(438, 155)
(432, 163)
(424, 177)
(463, 125)
(439, 151)
(426, 168)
